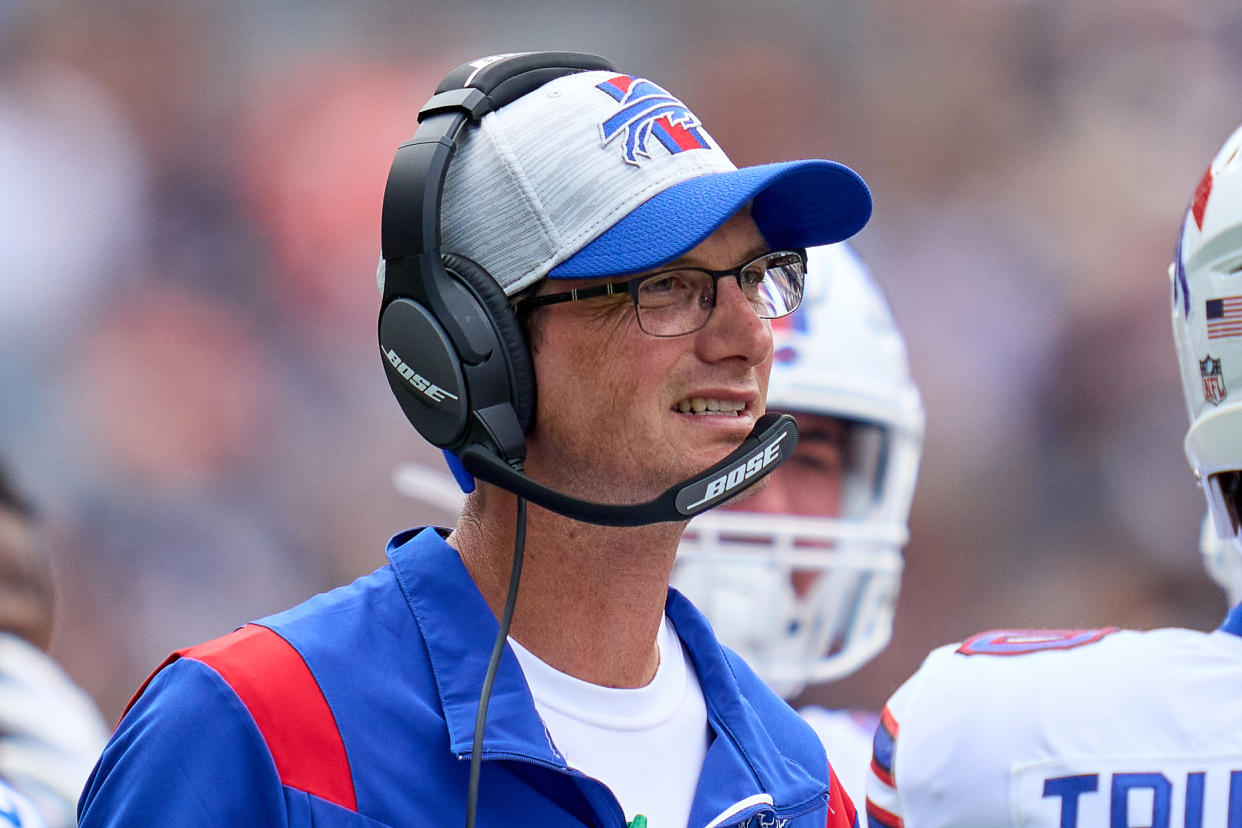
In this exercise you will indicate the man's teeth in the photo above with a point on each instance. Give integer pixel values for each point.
(701, 405)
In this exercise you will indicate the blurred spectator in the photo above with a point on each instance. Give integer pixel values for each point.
(186, 507)
(316, 140)
(51, 733)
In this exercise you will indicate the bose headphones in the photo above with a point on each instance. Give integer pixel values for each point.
(444, 316)
(454, 353)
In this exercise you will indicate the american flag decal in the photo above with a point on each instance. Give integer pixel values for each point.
(1224, 317)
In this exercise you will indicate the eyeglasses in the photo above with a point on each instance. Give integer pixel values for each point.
(680, 300)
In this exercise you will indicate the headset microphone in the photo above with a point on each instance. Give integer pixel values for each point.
(771, 442)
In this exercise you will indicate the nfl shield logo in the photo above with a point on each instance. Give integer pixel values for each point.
(1213, 380)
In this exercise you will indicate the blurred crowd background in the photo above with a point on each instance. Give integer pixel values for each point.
(189, 226)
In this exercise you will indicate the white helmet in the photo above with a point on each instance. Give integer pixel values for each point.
(1207, 327)
(840, 356)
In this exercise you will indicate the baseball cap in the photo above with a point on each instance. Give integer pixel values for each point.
(600, 174)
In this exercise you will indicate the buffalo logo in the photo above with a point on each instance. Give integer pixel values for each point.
(1213, 375)
(786, 355)
(648, 111)
(1198, 205)
(790, 331)
(785, 332)
(1181, 287)
(765, 819)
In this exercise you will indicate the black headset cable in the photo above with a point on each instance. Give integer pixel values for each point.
(493, 663)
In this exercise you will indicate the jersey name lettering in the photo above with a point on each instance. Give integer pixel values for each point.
(1147, 798)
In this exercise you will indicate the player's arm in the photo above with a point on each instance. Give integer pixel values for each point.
(187, 752)
(883, 805)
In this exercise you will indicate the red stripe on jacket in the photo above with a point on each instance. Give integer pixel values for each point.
(274, 683)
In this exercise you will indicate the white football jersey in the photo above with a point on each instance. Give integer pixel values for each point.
(51, 733)
(846, 735)
(16, 811)
(1066, 729)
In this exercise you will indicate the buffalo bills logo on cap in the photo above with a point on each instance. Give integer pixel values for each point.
(648, 110)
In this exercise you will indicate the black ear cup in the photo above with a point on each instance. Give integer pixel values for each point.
(504, 322)
(458, 364)
(424, 373)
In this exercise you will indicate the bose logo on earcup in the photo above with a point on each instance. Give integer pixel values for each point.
(428, 388)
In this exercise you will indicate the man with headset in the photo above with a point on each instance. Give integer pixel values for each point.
(576, 310)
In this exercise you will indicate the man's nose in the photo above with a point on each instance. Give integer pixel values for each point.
(735, 329)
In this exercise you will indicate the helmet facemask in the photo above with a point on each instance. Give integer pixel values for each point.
(802, 578)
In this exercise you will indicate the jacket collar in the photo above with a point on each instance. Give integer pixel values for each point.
(459, 630)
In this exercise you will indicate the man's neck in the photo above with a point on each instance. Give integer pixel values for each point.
(591, 598)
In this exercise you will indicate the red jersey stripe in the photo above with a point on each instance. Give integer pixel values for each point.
(888, 722)
(883, 774)
(877, 816)
(278, 689)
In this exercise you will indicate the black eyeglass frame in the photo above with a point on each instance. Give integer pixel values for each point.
(630, 287)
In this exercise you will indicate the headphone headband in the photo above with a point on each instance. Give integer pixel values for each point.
(505, 78)
(411, 212)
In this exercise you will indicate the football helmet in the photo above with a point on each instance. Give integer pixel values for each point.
(808, 595)
(1221, 558)
(1206, 276)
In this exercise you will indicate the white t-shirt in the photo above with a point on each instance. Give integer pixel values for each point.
(646, 744)
(1066, 729)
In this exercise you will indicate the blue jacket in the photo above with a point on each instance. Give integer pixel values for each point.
(356, 708)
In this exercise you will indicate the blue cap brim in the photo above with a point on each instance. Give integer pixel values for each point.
(796, 204)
